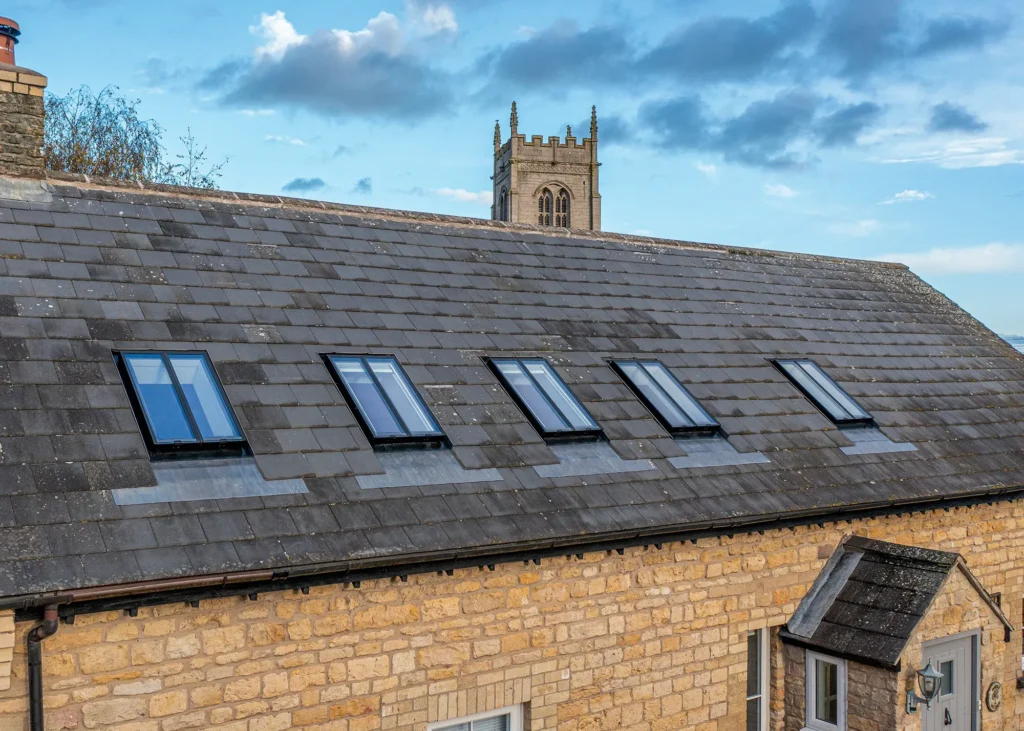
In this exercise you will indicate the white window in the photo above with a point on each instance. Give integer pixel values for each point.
(757, 680)
(826, 693)
(503, 719)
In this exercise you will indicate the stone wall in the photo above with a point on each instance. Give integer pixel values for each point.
(525, 167)
(21, 122)
(958, 609)
(653, 640)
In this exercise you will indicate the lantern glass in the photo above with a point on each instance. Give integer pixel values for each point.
(928, 679)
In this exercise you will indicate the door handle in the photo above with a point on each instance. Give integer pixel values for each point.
(947, 719)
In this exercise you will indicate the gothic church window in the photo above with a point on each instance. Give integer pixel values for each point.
(503, 206)
(562, 209)
(544, 205)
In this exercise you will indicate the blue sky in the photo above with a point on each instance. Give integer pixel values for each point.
(886, 129)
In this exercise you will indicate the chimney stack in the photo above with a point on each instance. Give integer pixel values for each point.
(21, 111)
(9, 32)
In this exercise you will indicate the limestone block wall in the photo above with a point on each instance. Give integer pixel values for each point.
(959, 609)
(653, 640)
(21, 122)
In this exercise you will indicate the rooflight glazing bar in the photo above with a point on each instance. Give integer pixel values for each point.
(685, 414)
(536, 401)
(684, 399)
(559, 386)
(825, 393)
(180, 413)
(384, 396)
(521, 365)
(390, 426)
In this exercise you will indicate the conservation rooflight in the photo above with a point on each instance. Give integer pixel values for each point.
(838, 405)
(666, 397)
(545, 399)
(384, 400)
(179, 402)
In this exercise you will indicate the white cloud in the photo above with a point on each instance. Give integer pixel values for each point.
(278, 33)
(257, 112)
(973, 153)
(285, 140)
(525, 31)
(433, 19)
(908, 196)
(382, 33)
(994, 258)
(708, 169)
(779, 191)
(483, 198)
(856, 229)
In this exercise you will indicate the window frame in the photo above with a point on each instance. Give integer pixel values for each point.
(867, 421)
(562, 435)
(514, 712)
(436, 439)
(694, 431)
(764, 663)
(224, 446)
(811, 720)
(562, 206)
(545, 204)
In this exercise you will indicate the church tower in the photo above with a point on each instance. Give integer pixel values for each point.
(551, 183)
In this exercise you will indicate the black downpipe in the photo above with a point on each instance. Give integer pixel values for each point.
(35, 665)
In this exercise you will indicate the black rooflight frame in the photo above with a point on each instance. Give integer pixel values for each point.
(551, 437)
(436, 440)
(692, 432)
(223, 447)
(857, 423)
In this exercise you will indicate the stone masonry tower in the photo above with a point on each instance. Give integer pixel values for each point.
(551, 183)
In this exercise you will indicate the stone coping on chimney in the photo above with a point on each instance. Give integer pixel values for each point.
(21, 80)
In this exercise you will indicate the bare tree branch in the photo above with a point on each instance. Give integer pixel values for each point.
(102, 134)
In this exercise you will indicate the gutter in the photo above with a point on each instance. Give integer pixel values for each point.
(130, 597)
(192, 589)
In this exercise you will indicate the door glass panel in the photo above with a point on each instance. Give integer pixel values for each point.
(753, 664)
(826, 687)
(204, 398)
(160, 404)
(946, 684)
(754, 714)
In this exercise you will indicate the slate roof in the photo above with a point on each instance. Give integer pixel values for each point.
(266, 285)
(870, 597)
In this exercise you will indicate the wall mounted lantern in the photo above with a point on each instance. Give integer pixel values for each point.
(929, 681)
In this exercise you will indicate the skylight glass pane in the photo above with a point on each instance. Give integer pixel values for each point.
(375, 412)
(669, 412)
(814, 371)
(563, 399)
(531, 396)
(816, 392)
(678, 394)
(403, 396)
(160, 404)
(204, 397)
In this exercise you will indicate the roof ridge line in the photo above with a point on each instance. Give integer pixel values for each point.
(101, 183)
